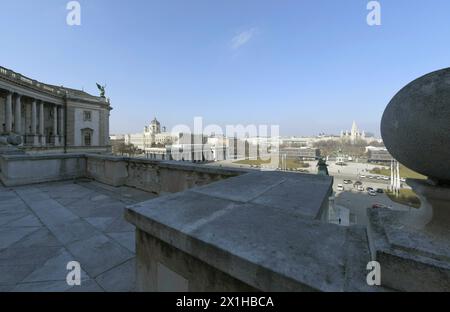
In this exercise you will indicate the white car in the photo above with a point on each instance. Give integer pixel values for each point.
(361, 188)
(362, 176)
(372, 193)
(340, 187)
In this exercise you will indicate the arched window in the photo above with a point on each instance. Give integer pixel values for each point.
(86, 136)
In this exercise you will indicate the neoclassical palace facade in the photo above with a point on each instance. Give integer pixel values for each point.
(51, 118)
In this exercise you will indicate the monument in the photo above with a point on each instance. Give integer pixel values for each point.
(322, 167)
(413, 247)
(102, 90)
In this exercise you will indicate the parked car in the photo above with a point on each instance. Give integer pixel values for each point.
(380, 191)
(340, 187)
(361, 188)
(347, 181)
(362, 176)
(372, 193)
(369, 189)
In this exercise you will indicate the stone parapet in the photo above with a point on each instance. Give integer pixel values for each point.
(258, 231)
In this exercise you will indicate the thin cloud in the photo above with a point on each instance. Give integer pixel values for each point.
(243, 38)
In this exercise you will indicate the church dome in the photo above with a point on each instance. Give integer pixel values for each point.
(155, 122)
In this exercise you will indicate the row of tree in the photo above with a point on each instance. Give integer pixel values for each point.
(121, 148)
(336, 147)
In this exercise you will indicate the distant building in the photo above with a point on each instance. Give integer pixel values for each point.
(188, 152)
(117, 137)
(354, 135)
(51, 118)
(378, 154)
(116, 142)
(136, 139)
(151, 137)
(304, 153)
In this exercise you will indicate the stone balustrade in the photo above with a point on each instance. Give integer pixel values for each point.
(152, 176)
(9, 74)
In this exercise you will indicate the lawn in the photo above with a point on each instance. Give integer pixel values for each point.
(290, 163)
(406, 197)
(404, 172)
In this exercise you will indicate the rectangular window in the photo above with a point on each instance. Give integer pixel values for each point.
(87, 138)
(87, 116)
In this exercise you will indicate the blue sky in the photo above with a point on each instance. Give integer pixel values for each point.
(308, 65)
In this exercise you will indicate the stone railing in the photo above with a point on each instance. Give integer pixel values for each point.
(10, 75)
(153, 176)
(28, 169)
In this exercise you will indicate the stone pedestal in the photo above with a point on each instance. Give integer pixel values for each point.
(32, 140)
(35, 140)
(413, 247)
(56, 140)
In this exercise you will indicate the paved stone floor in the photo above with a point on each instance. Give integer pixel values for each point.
(44, 226)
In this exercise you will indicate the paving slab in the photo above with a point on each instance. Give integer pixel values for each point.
(44, 226)
(119, 279)
(49, 286)
(40, 238)
(11, 235)
(125, 239)
(72, 231)
(54, 269)
(51, 212)
(98, 254)
(11, 275)
(28, 220)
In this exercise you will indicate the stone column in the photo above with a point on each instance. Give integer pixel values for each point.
(34, 122)
(18, 115)
(61, 125)
(41, 123)
(8, 111)
(55, 125)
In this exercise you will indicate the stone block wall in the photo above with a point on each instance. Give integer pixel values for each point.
(29, 169)
(152, 176)
(158, 177)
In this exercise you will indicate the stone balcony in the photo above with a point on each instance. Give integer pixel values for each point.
(52, 211)
(142, 225)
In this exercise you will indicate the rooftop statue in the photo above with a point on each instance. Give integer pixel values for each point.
(102, 90)
(9, 144)
(322, 167)
(10, 140)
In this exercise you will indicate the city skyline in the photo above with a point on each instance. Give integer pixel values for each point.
(309, 66)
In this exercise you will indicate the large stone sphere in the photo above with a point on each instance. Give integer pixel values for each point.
(416, 125)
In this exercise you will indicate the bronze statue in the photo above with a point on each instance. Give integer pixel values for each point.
(322, 167)
(102, 90)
